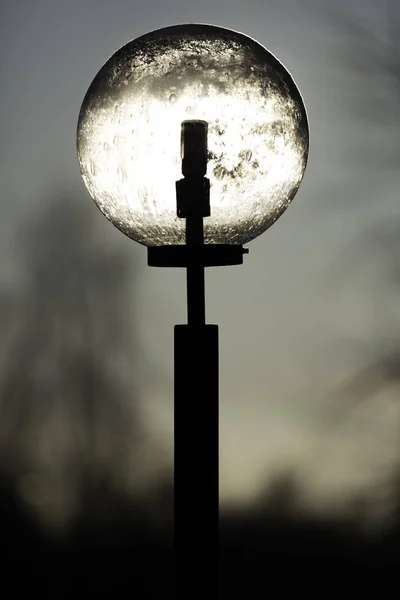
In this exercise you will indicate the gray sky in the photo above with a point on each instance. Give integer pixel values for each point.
(287, 329)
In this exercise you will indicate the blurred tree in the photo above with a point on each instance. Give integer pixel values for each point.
(367, 46)
(370, 52)
(70, 427)
(282, 495)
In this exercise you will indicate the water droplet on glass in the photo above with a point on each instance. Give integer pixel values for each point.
(249, 155)
(189, 109)
(172, 98)
(220, 173)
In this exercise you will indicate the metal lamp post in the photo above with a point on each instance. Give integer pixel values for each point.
(243, 151)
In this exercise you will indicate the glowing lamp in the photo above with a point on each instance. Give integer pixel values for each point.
(129, 150)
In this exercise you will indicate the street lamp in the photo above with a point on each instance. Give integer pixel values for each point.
(193, 140)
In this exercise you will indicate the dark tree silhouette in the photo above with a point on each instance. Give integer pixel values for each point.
(72, 439)
(373, 57)
(376, 57)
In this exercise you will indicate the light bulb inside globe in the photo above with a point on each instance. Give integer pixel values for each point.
(129, 144)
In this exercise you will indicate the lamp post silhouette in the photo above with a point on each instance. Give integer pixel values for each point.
(243, 132)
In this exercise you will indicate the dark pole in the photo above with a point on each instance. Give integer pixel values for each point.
(196, 391)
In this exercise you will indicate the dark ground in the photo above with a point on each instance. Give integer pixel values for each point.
(258, 549)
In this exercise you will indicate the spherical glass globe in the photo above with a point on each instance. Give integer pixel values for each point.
(129, 144)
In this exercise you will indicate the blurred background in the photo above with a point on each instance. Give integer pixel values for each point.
(309, 325)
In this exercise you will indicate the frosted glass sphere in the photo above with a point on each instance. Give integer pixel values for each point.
(129, 144)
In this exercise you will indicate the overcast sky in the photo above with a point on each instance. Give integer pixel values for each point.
(287, 329)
